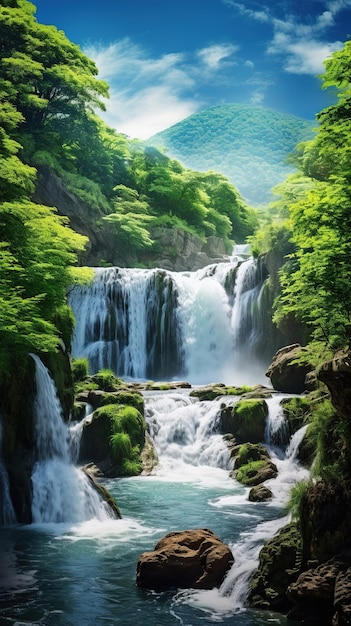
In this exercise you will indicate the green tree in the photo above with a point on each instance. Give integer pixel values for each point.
(317, 280)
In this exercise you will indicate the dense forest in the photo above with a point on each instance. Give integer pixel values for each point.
(248, 144)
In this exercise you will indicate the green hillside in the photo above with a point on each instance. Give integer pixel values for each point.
(248, 144)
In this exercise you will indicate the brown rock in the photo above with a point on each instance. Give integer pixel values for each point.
(342, 599)
(260, 493)
(185, 559)
(287, 376)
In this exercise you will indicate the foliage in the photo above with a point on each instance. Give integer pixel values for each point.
(247, 144)
(106, 380)
(296, 497)
(329, 436)
(316, 280)
(36, 253)
(79, 369)
(127, 439)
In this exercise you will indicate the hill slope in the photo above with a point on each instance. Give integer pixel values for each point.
(248, 144)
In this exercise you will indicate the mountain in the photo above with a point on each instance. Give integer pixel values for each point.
(248, 144)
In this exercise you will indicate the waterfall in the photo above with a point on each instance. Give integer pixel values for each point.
(7, 513)
(184, 433)
(61, 491)
(156, 324)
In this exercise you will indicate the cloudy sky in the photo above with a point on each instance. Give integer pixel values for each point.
(167, 59)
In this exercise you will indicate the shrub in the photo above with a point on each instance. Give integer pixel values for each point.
(79, 369)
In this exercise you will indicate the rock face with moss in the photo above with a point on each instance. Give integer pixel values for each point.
(187, 559)
(280, 564)
(253, 466)
(113, 440)
(246, 420)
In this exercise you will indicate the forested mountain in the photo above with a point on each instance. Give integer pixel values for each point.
(248, 144)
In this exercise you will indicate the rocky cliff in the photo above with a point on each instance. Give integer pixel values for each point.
(174, 249)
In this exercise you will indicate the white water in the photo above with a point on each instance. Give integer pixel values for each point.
(61, 492)
(189, 450)
(156, 324)
(7, 513)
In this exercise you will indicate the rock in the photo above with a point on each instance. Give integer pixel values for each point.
(325, 515)
(256, 472)
(279, 565)
(287, 376)
(250, 452)
(260, 493)
(336, 375)
(246, 420)
(186, 559)
(342, 599)
(322, 595)
(103, 492)
(148, 455)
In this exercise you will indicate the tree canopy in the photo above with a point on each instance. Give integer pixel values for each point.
(316, 282)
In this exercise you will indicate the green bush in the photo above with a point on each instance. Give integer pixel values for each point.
(79, 369)
(106, 380)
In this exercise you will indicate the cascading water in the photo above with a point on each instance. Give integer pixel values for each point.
(61, 492)
(157, 324)
(7, 513)
(189, 449)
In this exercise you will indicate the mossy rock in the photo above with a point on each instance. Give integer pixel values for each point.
(114, 439)
(106, 380)
(280, 563)
(260, 493)
(211, 392)
(249, 452)
(246, 420)
(296, 411)
(98, 398)
(256, 472)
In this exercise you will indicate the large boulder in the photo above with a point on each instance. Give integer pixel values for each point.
(280, 563)
(246, 420)
(186, 559)
(322, 595)
(286, 374)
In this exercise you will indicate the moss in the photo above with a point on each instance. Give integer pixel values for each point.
(280, 562)
(106, 380)
(247, 472)
(246, 420)
(129, 398)
(249, 452)
(296, 411)
(127, 437)
(80, 369)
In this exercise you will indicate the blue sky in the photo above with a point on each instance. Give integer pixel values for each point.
(167, 59)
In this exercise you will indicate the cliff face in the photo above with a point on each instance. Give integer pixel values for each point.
(174, 249)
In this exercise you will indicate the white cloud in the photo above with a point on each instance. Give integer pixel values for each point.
(301, 44)
(149, 94)
(260, 16)
(146, 94)
(307, 57)
(147, 112)
(213, 55)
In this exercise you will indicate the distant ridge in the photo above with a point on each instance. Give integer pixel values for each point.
(248, 144)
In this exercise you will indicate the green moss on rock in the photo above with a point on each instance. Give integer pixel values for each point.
(246, 420)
